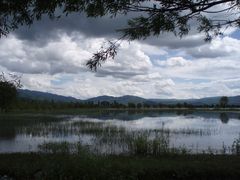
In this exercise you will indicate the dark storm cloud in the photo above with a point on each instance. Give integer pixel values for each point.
(170, 41)
(117, 74)
(46, 29)
(90, 27)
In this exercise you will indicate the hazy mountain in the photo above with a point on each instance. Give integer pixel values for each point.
(101, 98)
(37, 95)
(122, 99)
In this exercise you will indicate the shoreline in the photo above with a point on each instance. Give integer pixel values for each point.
(76, 110)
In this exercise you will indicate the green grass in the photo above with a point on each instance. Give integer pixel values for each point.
(81, 166)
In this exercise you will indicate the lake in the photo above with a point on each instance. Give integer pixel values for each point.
(121, 131)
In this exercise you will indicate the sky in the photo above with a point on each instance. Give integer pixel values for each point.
(51, 56)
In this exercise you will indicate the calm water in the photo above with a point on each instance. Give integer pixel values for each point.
(109, 131)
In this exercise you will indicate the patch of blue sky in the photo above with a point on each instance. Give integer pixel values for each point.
(190, 80)
(63, 79)
(175, 53)
(171, 53)
(235, 34)
(158, 57)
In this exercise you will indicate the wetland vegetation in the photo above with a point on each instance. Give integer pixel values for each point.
(131, 144)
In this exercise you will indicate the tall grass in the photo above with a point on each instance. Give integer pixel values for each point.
(107, 138)
(236, 146)
(63, 148)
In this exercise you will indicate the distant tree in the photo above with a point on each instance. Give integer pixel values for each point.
(148, 17)
(131, 105)
(179, 105)
(8, 90)
(223, 102)
(115, 104)
(146, 105)
(139, 105)
(105, 104)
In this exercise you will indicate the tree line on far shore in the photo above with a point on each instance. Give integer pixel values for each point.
(30, 104)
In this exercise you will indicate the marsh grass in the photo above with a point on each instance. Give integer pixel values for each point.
(148, 143)
(99, 128)
(236, 146)
(130, 143)
(63, 148)
(115, 152)
(107, 138)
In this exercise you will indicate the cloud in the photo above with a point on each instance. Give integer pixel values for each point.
(220, 47)
(208, 89)
(103, 27)
(69, 54)
(51, 56)
(59, 67)
(129, 62)
(75, 22)
(59, 56)
(165, 88)
(170, 41)
(174, 62)
(204, 68)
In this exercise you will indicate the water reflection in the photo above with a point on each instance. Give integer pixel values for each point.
(128, 115)
(115, 131)
(224, 118)
(9, 124)
(7, 133)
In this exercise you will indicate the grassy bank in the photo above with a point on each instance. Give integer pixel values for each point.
(63, 166)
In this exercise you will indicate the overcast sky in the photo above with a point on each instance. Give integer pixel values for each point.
(51, 57)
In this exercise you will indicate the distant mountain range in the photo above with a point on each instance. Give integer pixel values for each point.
(37, 95)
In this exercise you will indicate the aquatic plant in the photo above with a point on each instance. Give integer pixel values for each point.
(236, 146)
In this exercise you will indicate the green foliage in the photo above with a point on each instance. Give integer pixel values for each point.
(131, 105)
(159, 15)
(139, 105)
(143, 144)
(8, 94)
(140, 145)
(8, 91)
(38, 105)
